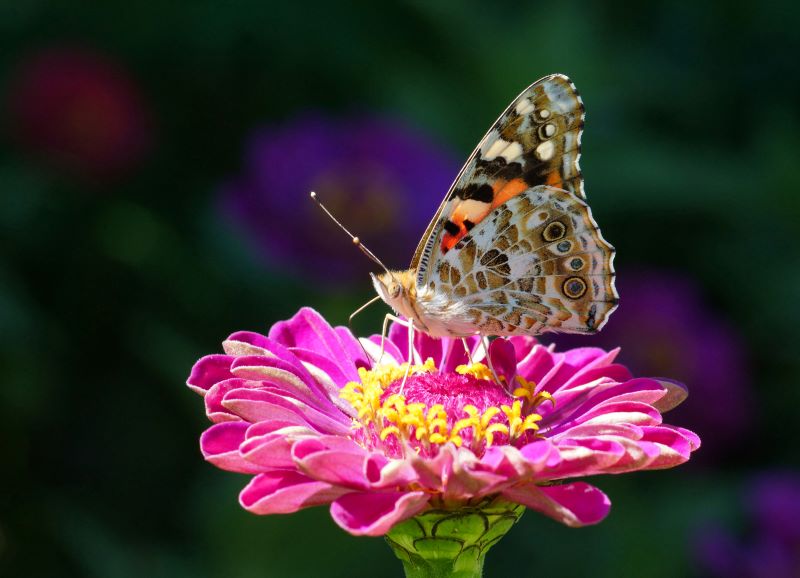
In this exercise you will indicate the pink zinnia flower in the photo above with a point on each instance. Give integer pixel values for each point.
(318, 421)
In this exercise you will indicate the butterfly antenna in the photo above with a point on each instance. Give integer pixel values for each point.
(356, 241)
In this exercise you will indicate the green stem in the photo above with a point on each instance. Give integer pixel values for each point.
(452, 542)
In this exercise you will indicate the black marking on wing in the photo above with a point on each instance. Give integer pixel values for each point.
(476, 192)
(451, 227)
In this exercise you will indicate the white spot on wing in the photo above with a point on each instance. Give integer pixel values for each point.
(544, 152)
(472, 209)
(513, 151)
(536, 218)
(503, 148)
(524, 106)
(496, 149)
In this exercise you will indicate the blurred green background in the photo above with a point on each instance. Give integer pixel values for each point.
(132, 185)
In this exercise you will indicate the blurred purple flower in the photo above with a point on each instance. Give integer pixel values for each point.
(664, 328)
(772, 549)
(383, 180)
(79, 111)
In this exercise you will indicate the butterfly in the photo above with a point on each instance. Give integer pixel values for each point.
(513, 248)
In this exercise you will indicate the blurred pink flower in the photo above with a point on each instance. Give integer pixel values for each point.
(318, 421)
(79, 111)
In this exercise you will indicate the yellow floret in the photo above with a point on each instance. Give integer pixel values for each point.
(478, 370)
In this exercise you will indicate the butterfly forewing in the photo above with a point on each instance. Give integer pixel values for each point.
(514, 245)
(536, 141)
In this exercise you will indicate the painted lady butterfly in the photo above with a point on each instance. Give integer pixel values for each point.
(513, 248)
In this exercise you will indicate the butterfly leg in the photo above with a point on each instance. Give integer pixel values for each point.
(410, 360)
(466, 348)
(410, 356)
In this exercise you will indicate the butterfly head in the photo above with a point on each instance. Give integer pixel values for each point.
(396, 289)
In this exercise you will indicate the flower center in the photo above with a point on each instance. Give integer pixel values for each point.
(428, 409)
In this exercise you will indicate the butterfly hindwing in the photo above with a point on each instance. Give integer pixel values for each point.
(536, 263)
(536, 141)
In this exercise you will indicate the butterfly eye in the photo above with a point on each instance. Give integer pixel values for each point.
(394, 290)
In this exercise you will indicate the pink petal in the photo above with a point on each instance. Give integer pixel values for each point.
(271, 370)
(309, 330)
(256, 405)
(578, 400)
(504, 359)
(245, 343)
(639, 455)
(583, 357)
(277, 355)
(330, 376)
(623, 412)
(215, 411)
(626, 430)
(572, 365)
(523, 346)
(454, 353)
(432, 347)
(273, 450)
(220, 446)
(585, 457)
(332, 459)
(674, 448)
(576, 504)
(537, 364)
(398, 335)
(326, 442)
(209, 370)
(431, 471)
(612, 372)
(374, 514)
(676, 394)
(338, 375)
(541, 454)
(285, 491)
(385, 473)
(693, 438)
(506, 461)
(352, 347)
(337, 468)
(468, 478)
(391, 350)
(263, 428)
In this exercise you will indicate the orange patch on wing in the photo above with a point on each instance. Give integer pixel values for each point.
(459, 216)
(449, 240)
(505, 190)
(554, 180)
